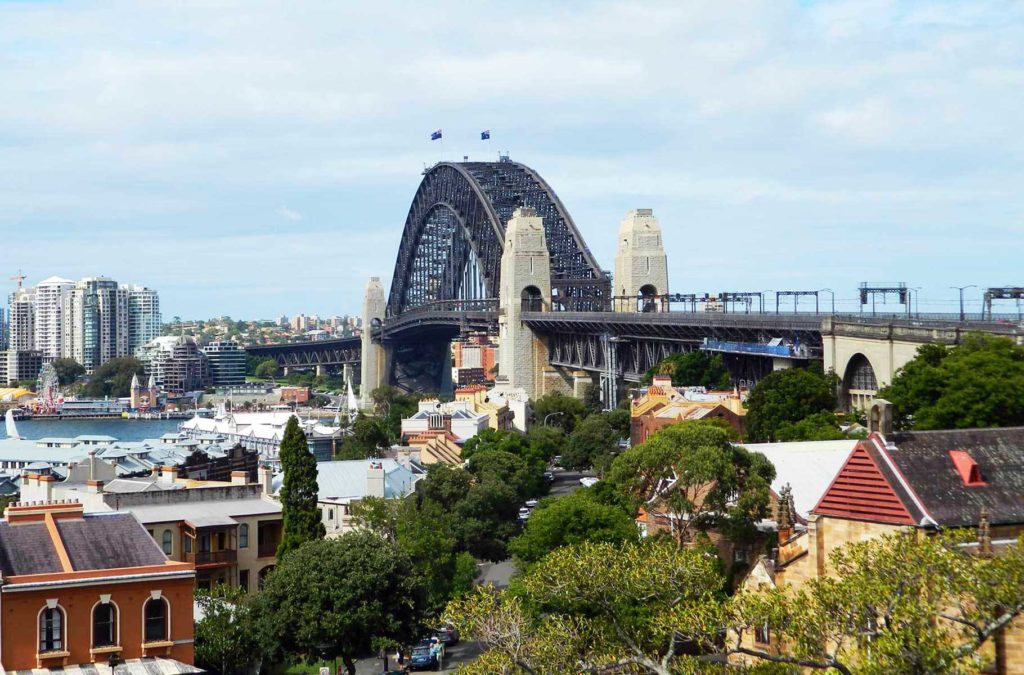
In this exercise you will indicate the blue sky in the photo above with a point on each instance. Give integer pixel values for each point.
(253, 158)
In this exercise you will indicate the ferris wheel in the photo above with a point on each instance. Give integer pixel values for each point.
(48, 388)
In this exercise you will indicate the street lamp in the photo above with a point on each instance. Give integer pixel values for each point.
(962, 289)
(549, 416)
(832, 295)
(911, 303)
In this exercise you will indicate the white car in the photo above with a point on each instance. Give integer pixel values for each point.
(531, 503)
(524, 513)
(588, 481)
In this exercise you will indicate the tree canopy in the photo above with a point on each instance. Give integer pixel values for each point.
(699, 477)
(69, 370)
(266, 369)
(225, 641)
(559, 410)
(336, 598)
(369, 438)
(692, 369)
(114, 378)
(569, 520)
(299, 491)
(975, 384)
(821, 426)
(591, 443)
(787, 396)
(391, 406)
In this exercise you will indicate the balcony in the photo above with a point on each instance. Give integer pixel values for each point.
(203, 558)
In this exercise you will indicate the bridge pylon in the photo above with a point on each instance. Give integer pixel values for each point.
(373, 359)
(525, 286)
(641, 266)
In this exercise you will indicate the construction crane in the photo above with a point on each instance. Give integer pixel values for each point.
(20, 278)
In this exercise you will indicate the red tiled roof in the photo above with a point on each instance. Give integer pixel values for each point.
(862, 491)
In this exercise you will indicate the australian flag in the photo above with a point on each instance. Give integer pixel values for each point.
(436, 135)
(484, 135)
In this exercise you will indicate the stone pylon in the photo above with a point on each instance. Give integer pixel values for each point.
(641, 267)
(372, 357)
(525, 286)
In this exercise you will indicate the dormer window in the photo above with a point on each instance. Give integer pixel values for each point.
(968, 469)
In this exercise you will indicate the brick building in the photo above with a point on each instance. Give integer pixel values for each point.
(662, 405)
(88, 588)
(927, 481)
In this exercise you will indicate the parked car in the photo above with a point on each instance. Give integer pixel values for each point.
(557, 460)
(531, 503)
(588, 481)
(423, 657)
(448, 635)
(549, 476)
(524, 513)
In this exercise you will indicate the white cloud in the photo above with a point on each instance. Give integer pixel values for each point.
(289, 214)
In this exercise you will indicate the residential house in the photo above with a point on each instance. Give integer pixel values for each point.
(661, 405)
(342, 484)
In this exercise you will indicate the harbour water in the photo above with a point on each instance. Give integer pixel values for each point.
(121, 429)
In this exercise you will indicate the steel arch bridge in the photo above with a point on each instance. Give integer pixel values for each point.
(454, 235)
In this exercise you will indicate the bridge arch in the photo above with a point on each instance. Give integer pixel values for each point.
(454, 234)
(860, 382)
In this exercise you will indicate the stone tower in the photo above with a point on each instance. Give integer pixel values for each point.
(372, 354)
(525, 286)
(641, 267)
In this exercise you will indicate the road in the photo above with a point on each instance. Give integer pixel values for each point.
(497, 574)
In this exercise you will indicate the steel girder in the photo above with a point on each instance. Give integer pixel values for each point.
(460, 211)
(589, 351)
(308, 354)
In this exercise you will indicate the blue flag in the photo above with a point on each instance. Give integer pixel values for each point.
(484, 135)
(436, 135)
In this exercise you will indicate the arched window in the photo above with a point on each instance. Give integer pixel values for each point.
(51, 630)
(648, 297)
(532, 299)
(104, 625)
(243, 536)
(155, 614)
(167, 543)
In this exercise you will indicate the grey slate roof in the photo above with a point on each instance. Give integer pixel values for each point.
(922, 457)
(104, 540)
(26, 549)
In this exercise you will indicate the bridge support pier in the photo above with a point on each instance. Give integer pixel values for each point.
(321, 371)
(285, 371)
(525, 286)
(372, 357)
(641, 266)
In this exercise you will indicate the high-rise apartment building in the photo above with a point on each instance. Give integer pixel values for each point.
(49, 309)
(95, 322)
(143, 316)
(22, 321)
(3, 329)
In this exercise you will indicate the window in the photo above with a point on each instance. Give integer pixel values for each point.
(188, 544)
(168, 542)
(51, 630)
(243, 536)
(330, 514)
(104, 625)
(156, 619)
(243, 580)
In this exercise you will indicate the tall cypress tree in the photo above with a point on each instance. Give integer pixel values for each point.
(299, 491)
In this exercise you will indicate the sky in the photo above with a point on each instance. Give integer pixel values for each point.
(254, 159)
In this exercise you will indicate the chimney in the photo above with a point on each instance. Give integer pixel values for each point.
(265, 477)
(168, 474)
(94, 486)
(375, 479)
(880, 417)
(785, 514)
(239, 478)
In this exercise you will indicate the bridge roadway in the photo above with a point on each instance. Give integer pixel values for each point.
(579, 340)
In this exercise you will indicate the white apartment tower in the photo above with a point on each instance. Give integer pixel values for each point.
(22, 321)
(49, 309)
(95, 322)
(143, 316)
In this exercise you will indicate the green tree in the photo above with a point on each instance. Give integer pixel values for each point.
(592, 398)
(592, 443)
(486, 519)
(692, 369)
(369, 439)
(225, 642)
(336, 598)
(68, 371)
(570, 520)
(526, 479)
(266, 369)
(619, 420)
(546, 442)
(558, 410)
(972, 385)
(701, 479)
(822, 426)
(392, 406)
(298, 492)
(114, 378)
(598, 608)
(902, 603)
(493, 439)
(786, 396)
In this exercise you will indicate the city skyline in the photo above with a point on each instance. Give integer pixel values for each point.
(212, 152)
